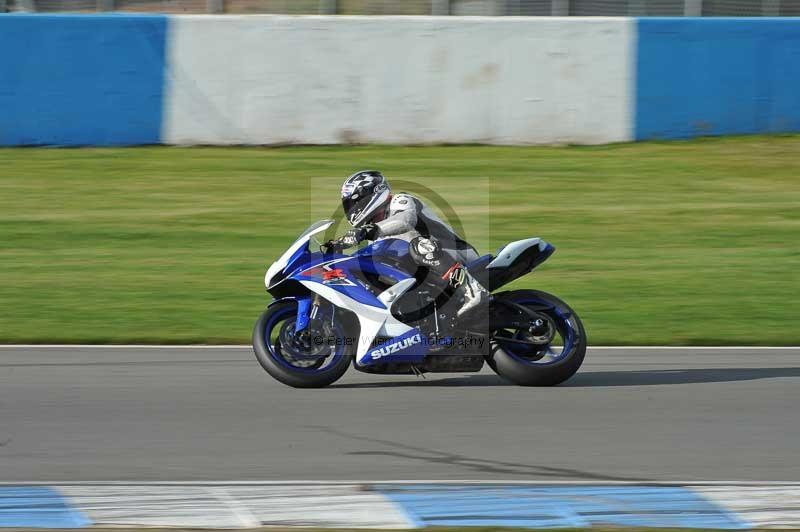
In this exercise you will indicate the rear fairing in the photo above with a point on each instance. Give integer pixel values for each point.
(493, 276)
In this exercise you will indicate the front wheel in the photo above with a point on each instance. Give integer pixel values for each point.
(313, 360)
(548, 351)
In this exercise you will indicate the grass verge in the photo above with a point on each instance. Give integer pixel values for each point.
(658, 243)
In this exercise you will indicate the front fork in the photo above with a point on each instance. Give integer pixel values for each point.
(309, 316)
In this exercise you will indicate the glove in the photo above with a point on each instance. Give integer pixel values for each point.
(371, 232)
(352, 237)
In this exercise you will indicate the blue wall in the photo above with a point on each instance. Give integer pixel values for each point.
(717, 76)
(77, 80)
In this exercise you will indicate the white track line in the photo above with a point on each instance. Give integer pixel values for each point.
(239, 510)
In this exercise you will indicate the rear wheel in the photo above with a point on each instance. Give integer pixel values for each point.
(548, 351)
(312, 359)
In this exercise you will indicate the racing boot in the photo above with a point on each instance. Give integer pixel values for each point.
(475, 295)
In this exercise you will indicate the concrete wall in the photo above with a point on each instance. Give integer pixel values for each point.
(121, 79)
(325, 80)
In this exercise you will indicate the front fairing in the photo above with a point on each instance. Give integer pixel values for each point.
(349, 274)
(295, 255)
(365, 283)
(346, 274)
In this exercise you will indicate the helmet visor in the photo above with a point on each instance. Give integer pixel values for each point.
(354, 207)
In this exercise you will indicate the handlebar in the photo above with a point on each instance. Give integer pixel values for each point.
(332, 245)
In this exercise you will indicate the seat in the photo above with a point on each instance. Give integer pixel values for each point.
(479, 263)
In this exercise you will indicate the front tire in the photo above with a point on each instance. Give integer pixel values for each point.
(540, 366)
(300, 370)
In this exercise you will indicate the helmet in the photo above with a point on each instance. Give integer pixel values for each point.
(364, 194)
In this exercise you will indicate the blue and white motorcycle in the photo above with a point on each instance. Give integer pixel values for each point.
(379, 311)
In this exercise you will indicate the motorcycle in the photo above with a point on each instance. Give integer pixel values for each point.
(382, 313)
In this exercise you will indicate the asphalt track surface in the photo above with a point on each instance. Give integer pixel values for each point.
(171, 414)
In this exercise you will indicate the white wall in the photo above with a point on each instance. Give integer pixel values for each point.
(261, 79)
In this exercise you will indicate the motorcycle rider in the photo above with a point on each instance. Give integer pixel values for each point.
(375, 213)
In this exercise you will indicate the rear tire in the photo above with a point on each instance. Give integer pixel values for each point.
(530, 373)
(268, 355)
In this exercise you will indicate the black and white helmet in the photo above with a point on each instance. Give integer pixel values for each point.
(364, 194)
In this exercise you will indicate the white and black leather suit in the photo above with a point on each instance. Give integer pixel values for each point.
(408, 218)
